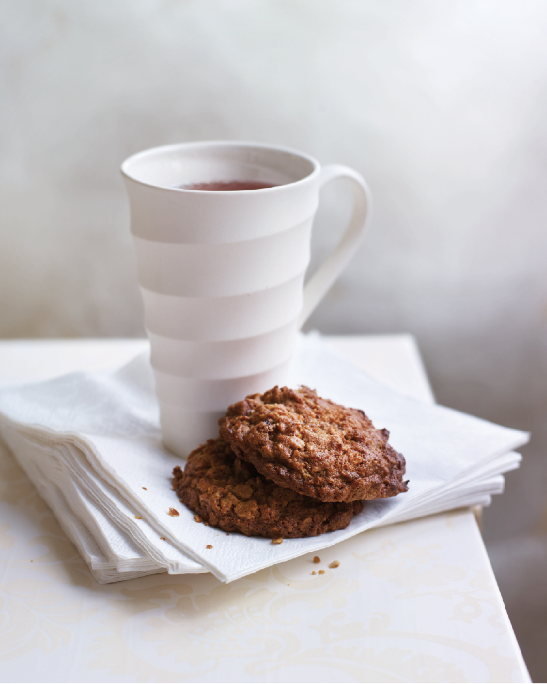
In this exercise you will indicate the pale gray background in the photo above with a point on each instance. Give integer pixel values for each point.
(441, 104)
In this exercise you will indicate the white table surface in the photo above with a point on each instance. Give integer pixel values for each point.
(411, 602)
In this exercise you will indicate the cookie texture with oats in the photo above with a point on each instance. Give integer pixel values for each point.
(229, 493)
(313, 446)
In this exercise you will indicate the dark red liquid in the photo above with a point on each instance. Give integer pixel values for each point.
(228, 185)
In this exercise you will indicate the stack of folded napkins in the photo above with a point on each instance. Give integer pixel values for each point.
(91, 444)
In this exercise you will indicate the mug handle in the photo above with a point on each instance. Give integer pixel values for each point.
(330, 269)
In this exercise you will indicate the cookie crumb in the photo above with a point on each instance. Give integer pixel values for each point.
(316, 559)
(313, 572)
(138, 517)
(227, 534)
(279, 540)
(173, 512)
(197, 518)
(208, 546)
(334, 564)
(321, 572)
(206, 524)
(145, 488)
(32, 561)
(162, 538)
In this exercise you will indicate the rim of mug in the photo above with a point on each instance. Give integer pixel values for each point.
(220, 143)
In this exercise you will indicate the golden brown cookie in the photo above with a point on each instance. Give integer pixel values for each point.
(228, 493)
(314, 446)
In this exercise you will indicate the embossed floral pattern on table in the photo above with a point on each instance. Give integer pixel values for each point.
(343, 625)
(411, 567)
(34, 612)
(198, 627)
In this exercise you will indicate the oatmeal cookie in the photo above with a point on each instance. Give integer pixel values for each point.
(228, 493)
(314, 446)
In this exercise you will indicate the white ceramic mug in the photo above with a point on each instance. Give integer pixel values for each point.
(222, 272)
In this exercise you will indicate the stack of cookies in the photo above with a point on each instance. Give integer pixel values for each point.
(288, 463)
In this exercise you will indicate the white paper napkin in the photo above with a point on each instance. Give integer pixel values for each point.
(96, 437)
